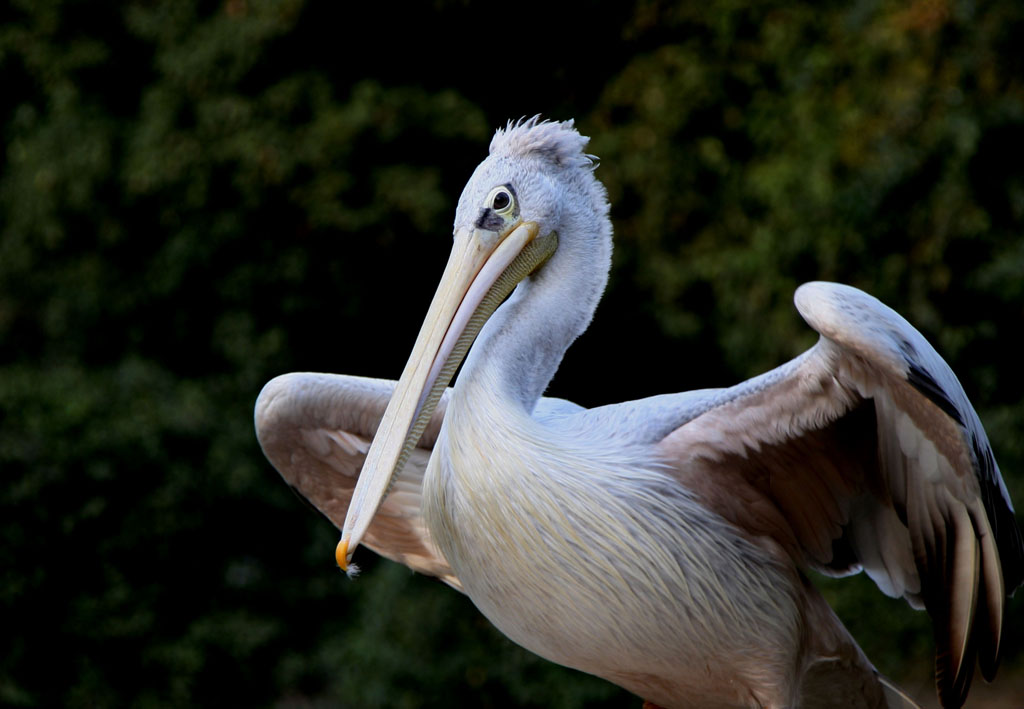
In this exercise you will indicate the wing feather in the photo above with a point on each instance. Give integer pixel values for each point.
(316, 429)
(865, 452)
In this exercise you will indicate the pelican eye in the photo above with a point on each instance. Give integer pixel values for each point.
(501, 200)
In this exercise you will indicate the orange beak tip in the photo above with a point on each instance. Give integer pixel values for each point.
(341, 554)
(341, 557)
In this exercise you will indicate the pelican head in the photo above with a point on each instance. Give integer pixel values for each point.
(532, 210)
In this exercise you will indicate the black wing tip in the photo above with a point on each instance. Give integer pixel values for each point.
(953, 678)
(953, 674)
(989, 647)
(954, 670)
(952, 690)
(925, 383)
(1004, 524)
(1005, 529)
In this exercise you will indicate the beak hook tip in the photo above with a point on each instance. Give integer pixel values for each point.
(341, 554)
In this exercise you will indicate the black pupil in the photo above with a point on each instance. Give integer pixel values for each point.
(501, 200)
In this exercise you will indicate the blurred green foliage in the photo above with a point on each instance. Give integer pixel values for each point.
(196, 196)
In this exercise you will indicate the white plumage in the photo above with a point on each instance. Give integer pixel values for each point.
(658, 543)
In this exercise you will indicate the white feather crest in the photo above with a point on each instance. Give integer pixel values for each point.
(556, 141)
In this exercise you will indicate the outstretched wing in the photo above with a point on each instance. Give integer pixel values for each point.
(316, 429)
(865, 453)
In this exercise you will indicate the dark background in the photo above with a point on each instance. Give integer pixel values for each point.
(197, 196)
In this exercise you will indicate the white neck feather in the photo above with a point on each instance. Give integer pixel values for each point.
(521, 346)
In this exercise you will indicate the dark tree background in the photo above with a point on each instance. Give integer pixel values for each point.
(197, 196)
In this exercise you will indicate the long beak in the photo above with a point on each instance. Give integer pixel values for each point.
(481, 272)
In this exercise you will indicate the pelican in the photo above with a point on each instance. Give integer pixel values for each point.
(662, 543)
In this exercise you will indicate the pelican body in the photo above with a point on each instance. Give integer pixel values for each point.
(660, 543)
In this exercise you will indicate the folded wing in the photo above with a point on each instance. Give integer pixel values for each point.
(316, 428)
